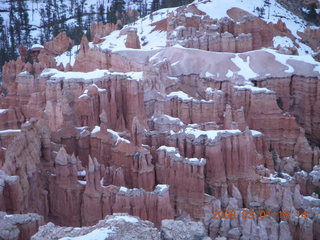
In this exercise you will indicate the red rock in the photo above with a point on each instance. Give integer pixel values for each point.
(59, 44)
(99, 30)
(132, 40)
(95, 148)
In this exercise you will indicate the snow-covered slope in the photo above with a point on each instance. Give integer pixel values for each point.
(219, 8)
(34, 10)
(153, 38)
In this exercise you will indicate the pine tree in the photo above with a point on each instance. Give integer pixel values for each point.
(267, 3)
(4, 45)
(261, 11)
(101, 13)
(155, 5)
(312, 13)
(88, 22)
(12, 32)
(116, 10)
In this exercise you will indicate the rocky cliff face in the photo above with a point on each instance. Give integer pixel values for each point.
(19, 226)
(170, 135)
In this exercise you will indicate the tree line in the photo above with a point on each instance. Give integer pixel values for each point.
(56, 16)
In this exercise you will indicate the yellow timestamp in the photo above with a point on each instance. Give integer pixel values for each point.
(250, 214)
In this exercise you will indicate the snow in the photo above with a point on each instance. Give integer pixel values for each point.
(23, 74)
(97, 74)
(123, 189)
(172, 151)
(314, 27)
(286, 178)
(48, 72)
(216, 9)
(185, 97)
(117, 137)
(35, 46)
(168, 118)
(97, 234)
(197, 161)
(181, 95)
(3, 111)
(253, 89)
(68, 56)
(81, 128)
(177, 45)
(189, 15)
(10, 131)
(283, 59)
(244, 67)
(96, 130)
(175, 63)
(81, 173)
(138, 76)
(99, 89)
(210, 90)
(312, 201)
(82, 182)
(34, 9)
(282, 42)
(302, 173)
(129, 219)
(256, 133)
(210, 134)
(55, 74)
(85, 94)
(150, 38)
(167, 149)
(310, 198)
(209, 75)
(162, 187)
(229, 74)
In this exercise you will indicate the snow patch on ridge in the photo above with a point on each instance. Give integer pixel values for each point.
(282, 42)
(245, 70)
(175, 155)
(164, 117)
(181, 95)
(129, 219)
(97, 234)
(117, 136)
(96, 130)
(167, 149)
(253, 89)
(10, 131)
(55, 74)
(255, 133)
(185, 97)
(36, 46)
(3, 111)
(68, 57)
(162, 187)
(283, 59)
(210, 134)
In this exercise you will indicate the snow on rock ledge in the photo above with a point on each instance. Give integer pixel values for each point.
(237, 68)
(56, 75)
(114, 227)
(175, 156)
(254, 90)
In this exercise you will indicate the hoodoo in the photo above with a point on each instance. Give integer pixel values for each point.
(159, 120)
